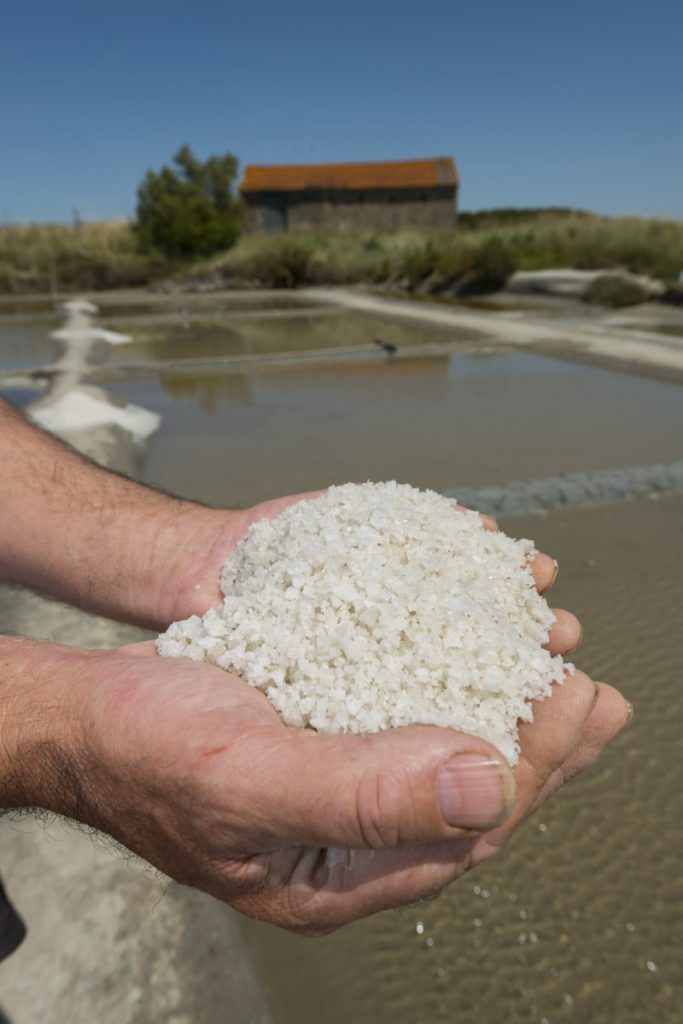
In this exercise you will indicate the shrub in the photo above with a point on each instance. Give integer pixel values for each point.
(474, 269)
(478, 220)
(285, 264)
(57, 258)
(191, 210)
(674, 295)
(614, 291)
(417, 263)
(488, 267)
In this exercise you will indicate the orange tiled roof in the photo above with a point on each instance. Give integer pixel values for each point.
(391, 174)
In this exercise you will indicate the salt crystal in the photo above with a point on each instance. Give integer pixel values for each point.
(379, 605)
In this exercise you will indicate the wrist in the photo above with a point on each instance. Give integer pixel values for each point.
(89, 537)
(190, 550)
(42, 748)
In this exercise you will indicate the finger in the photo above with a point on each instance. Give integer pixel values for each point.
(488, 522)
(395, 788)
(544, 569)
(326, 889)
(547, 743)
(537, 780)
(611, 713)
(142, 649)
(565, 633)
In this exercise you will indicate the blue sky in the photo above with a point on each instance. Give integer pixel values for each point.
(540, 103)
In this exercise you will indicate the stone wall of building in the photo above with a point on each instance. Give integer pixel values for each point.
(252, 217)
(351, 211)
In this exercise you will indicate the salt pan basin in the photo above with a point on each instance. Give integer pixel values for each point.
(380, 605)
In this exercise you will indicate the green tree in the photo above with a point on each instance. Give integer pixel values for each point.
(190, 209)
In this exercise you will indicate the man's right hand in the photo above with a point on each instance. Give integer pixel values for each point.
(192, 769)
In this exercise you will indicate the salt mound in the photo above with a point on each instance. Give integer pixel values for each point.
(380, 605)
(86, 408)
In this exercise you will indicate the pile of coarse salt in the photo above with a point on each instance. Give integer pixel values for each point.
(380, 605)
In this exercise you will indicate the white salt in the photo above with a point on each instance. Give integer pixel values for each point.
(379, 605)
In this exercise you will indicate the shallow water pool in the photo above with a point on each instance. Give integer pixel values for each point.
(580, 917)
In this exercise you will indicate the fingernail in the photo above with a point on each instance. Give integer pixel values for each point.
(629, 712)
(596, 695)
(578, 643)
(554, 576)
(474, 791)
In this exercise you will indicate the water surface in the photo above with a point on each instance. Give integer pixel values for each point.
(580, 918)
(466, 420)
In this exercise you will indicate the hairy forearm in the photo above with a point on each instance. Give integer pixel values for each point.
(85, 535)
(64, 738)
(40, 734)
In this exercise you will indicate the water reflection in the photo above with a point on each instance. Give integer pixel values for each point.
(210, 391)
(109, 430)
(197, 339)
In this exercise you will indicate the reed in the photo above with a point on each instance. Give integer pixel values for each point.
(476, 258)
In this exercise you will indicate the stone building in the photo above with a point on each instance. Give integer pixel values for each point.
(350, 197)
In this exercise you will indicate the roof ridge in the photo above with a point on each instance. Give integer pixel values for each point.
(362, 163)
(418, 172)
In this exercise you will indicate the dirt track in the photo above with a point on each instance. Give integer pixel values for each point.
(599, 339)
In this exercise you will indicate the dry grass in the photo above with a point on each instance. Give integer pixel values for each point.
(56, 257)
(478, 257)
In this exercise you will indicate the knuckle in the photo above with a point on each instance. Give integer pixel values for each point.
(311, 917)
(584, 691)
(384, 809)
(556, 779)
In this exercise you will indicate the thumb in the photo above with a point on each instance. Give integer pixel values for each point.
(395, 788)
